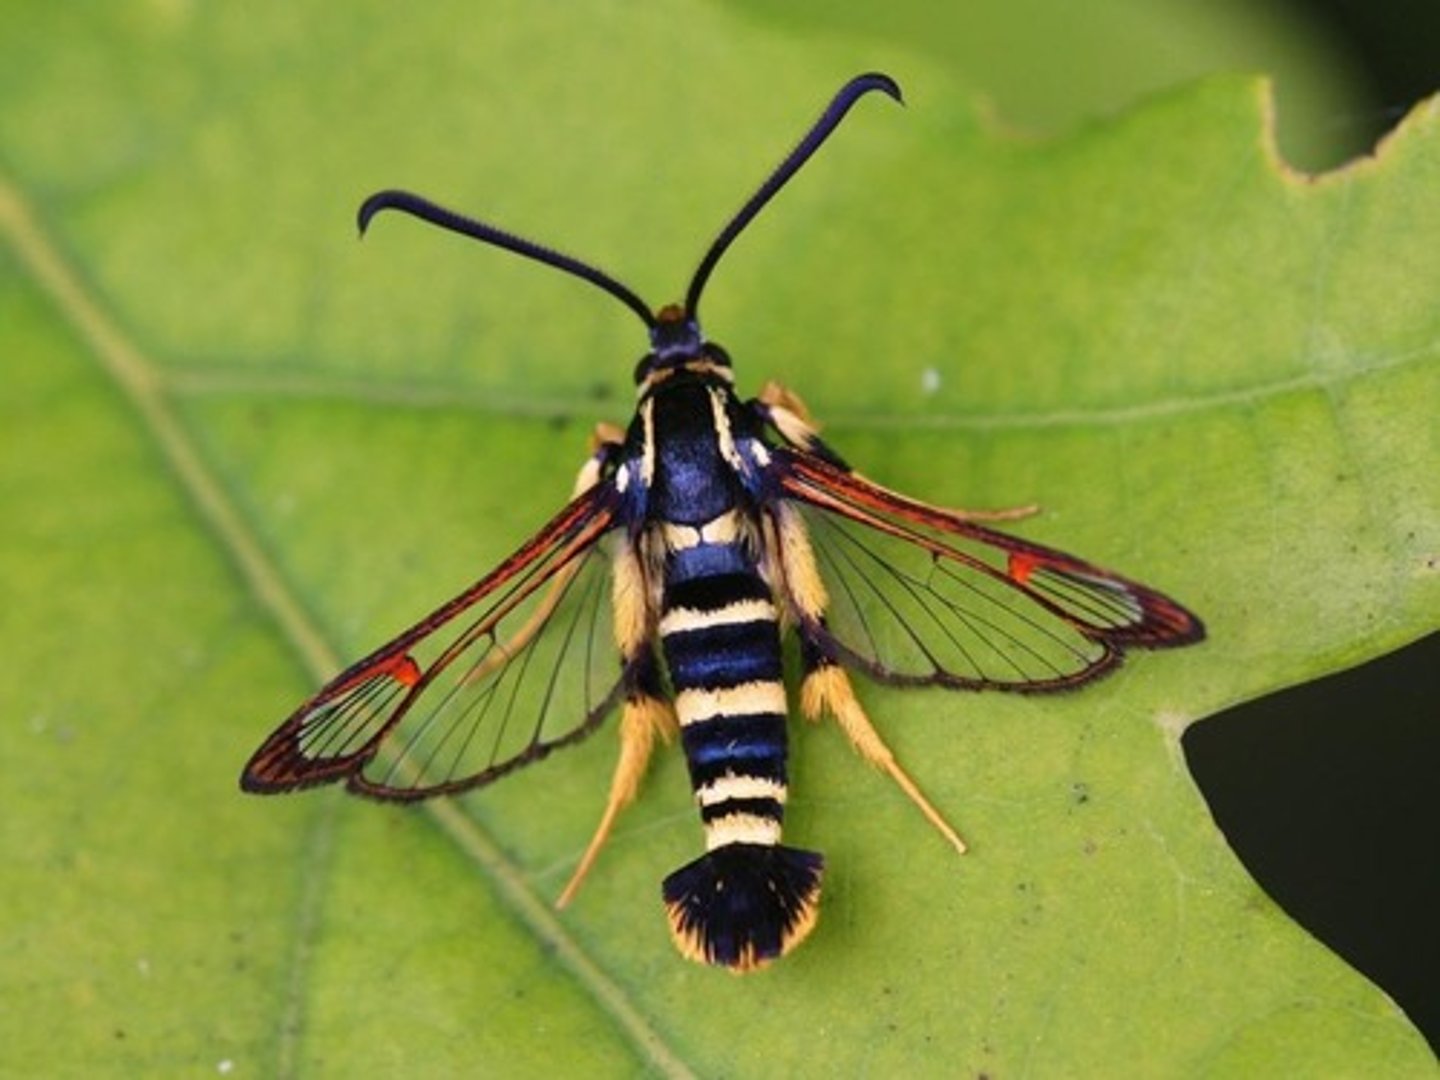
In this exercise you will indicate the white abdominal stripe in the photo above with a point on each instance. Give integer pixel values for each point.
(741, 810)
(741, 611)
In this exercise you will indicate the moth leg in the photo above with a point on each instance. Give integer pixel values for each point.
(826, 686)
(645, 716)
(827, 689)
(605, 440)
(642, 720)
(782, 409)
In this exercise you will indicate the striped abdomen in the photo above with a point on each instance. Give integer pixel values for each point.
(748, 899)
(721, 641)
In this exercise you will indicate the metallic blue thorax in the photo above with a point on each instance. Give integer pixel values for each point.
(693, 483)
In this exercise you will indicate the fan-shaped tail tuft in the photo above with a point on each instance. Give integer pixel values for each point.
(742, 905)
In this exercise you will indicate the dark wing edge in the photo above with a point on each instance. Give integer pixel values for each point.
(1048, 593)
(336, 733)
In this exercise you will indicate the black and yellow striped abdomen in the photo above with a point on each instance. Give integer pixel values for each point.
(748, 899)
(720, 636)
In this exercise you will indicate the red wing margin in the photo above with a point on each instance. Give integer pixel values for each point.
(921, 595)
(521, 663)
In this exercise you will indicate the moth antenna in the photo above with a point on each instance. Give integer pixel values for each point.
(850, 93)
(447, 219)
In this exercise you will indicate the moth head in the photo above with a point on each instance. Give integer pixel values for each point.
(676, 341)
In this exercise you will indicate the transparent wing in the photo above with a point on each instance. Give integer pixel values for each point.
(519, 664)
(921, 595)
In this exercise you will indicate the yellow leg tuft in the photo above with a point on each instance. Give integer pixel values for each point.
(642, 721)
(827, 689)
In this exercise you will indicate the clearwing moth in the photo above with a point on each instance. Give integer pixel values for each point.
(704, 530)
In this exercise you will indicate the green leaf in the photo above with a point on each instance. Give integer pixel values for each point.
(237, 447)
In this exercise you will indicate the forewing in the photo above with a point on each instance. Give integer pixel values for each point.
(921, 595)
(519, 664)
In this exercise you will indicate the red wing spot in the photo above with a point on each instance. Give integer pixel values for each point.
(1022, 565)
(404, 670)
